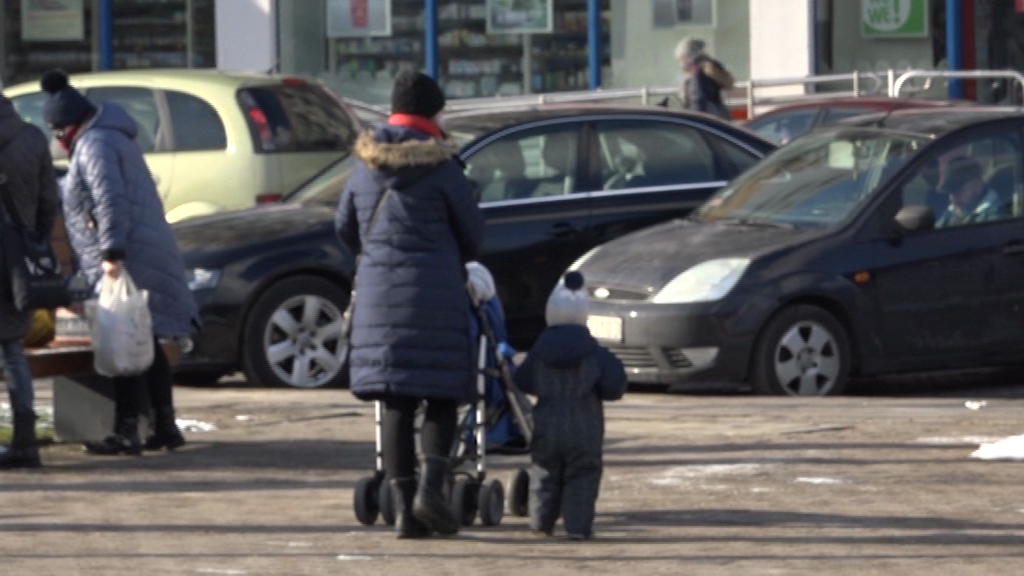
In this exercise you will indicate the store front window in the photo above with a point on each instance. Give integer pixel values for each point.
(525, 47)
(37, 36)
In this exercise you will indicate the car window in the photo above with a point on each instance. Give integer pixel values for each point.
(973, 181)
(140, 103)
(197, 126)
(30, 108)
(819, 180)
(783, 127)
(833, 115)
(296, 116)
(531, 163)
(645, 153)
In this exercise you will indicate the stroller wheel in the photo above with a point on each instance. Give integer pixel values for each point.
(492, 503)
(519, 499)
(386, 504)
(365, 500)
(463, 500)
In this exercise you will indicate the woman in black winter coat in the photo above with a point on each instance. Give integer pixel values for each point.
(411, 211)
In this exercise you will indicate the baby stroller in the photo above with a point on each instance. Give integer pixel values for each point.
(498, 420)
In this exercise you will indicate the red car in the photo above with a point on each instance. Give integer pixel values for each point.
(785, 123)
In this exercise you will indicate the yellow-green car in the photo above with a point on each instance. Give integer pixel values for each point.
(218, 141)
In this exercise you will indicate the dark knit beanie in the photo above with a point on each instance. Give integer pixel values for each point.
(66, 106)
(418, 94)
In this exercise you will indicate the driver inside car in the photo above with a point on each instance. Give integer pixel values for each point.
(970, 200)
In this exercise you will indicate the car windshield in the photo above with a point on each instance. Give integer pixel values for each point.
(325, 188)
(819, 179)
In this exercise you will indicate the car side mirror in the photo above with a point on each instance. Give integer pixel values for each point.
(915, 218)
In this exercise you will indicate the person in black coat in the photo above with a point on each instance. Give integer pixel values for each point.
(571, 375)
(412, 213)
(28, 178)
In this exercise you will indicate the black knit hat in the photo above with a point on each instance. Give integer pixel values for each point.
(418, 94)
(66, 106)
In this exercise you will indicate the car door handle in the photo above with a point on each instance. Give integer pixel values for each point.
(562, 230)
(1014, 248)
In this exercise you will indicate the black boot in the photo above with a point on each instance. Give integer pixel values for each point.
(166, 433)
(430, 505)
(124, 440)
(403, 490)
(23, 451)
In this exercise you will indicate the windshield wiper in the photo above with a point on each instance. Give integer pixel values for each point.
(757, 223)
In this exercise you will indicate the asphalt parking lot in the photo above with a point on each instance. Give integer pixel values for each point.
(875, 483)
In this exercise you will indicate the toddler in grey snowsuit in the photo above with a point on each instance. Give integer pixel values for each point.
(571, 375)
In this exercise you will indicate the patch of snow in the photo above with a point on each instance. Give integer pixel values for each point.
(975, 405)
(956, 440)
(813, 480)
(353, 557)
(1011, 448)
(292, 544)
(194, 426)
(678, 475)
(760, 490)
(243, 417)
(219, 571)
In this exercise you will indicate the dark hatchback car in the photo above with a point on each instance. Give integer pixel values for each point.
(272, 282)
(829, 260)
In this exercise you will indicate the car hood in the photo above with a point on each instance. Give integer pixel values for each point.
(219, 235)
(647, 260)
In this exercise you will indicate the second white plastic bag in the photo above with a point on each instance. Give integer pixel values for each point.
(122, 329)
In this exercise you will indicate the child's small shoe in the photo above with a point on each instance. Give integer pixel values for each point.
(542, 533)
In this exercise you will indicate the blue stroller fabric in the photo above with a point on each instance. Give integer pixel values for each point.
(503, 431)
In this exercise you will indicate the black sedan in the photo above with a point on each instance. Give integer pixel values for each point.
(890, 246)
(272, 282)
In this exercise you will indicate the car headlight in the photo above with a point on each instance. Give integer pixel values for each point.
(202, 279)
(582, 260)
(705, 282)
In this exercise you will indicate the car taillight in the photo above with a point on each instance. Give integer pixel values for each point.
(293, 82)
(266, 134)
(269, 198)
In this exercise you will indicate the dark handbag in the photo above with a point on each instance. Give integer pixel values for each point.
(32, 268)
(346, 327)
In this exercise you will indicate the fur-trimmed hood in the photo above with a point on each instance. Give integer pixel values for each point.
(403, 154)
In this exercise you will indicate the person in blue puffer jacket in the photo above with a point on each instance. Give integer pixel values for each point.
(115, 222)
(411, 212)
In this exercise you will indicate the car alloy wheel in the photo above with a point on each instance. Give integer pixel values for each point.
(303, 341)
(293, 334)
(807, 360)
(803, 350)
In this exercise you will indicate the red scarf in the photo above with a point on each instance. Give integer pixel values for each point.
(420, 123)
(69, 136)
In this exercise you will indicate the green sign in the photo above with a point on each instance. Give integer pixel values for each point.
(894, 18)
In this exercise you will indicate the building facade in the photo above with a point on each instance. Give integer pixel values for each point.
(510, 47)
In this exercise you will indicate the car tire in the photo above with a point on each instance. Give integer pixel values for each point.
(802, 351)
(293, 335)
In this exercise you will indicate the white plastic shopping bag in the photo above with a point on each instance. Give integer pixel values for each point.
(122, 329)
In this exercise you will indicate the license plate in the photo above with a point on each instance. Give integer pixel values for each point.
(605, 327)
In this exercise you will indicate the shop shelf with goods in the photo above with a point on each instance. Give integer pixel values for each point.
(23, 59)
(560, 60)
(163, 34)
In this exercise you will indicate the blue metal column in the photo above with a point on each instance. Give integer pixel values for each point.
(594, 41)
(106, 35)
(955, 44)
(433, 59)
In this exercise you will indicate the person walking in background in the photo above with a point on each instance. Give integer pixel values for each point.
(412, 214)
(27, 179)
(116, 223)
(571, 375)
(704, 79)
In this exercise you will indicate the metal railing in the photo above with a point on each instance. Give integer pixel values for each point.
(896, 87)
(890, 83)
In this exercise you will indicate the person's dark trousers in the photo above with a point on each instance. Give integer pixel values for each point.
(160, 382)
(127, 405)
(23, 451)
(566, 483)
(437, 435)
